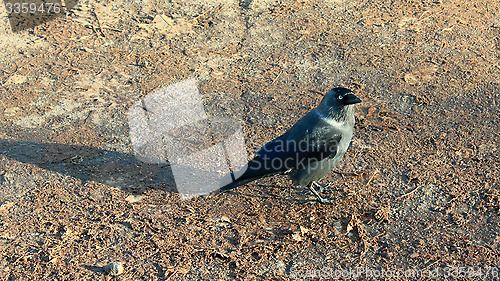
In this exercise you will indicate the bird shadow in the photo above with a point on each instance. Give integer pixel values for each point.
(95, 269)
(112, 168)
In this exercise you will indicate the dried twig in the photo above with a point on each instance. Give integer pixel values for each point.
(409, 193)
(278, 76)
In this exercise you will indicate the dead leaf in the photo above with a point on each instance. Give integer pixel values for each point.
(296, 236)
(6, 206)
(16, 79)
(410, 79)
(134, 198)
(303, 230)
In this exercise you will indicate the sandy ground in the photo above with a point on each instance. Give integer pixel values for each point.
(418, 190)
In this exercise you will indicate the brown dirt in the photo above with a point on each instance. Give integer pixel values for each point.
(418, 190)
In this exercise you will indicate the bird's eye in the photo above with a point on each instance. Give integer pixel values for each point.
(340, 97)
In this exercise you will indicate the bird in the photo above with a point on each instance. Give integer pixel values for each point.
(310, 149)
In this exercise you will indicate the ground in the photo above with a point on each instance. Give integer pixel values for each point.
(418, 189)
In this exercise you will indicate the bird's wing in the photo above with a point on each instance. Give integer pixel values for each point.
(311, 139)
(281, 155)
(284, 148)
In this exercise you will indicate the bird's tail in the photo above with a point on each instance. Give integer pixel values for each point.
(262, 165)
(254, 170)
(236, 183)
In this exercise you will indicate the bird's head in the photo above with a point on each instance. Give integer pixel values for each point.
(339, 97)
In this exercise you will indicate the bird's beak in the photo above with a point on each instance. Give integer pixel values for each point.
(351, 99)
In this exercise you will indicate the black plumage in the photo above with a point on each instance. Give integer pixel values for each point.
(311, 148)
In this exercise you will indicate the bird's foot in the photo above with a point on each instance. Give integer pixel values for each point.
(319, 199)
(322, 201)
(326, 188)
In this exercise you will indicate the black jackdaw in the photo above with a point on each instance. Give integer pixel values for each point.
(310, 149)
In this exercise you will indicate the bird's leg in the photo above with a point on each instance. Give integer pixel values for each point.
(321, 188)
(320, 199)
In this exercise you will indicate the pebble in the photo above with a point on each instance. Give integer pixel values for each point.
(114, 268)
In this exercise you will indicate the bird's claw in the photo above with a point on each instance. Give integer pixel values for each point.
(319, 199)
(325, 188)
(324, 200)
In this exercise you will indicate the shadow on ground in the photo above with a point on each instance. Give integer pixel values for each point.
(113, 168)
